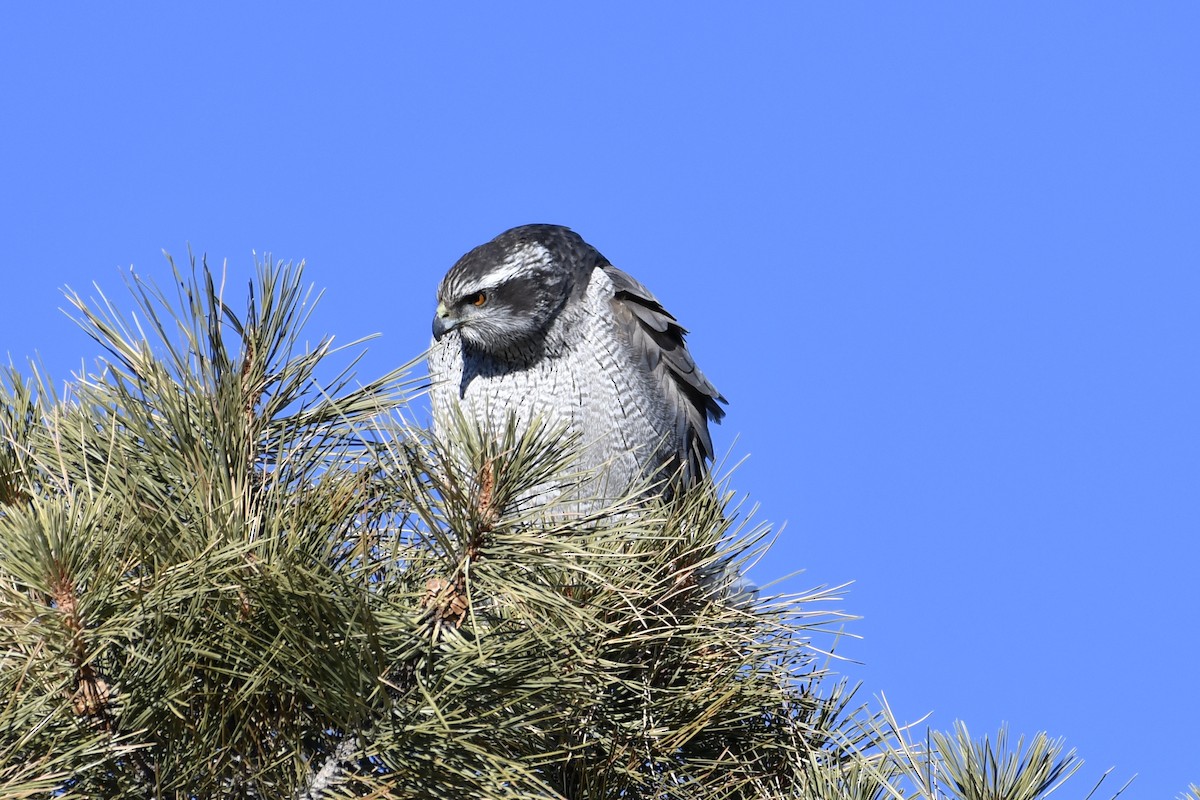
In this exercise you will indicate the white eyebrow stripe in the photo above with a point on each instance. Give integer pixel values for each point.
(517, 264)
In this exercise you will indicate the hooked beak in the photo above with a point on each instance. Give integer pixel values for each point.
(442, 323)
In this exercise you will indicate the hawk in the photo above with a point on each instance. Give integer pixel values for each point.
(538, 324)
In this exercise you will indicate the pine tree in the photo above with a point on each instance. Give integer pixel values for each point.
(228, 570)
(226, 575)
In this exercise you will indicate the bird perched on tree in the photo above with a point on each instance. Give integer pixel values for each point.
(538, 324)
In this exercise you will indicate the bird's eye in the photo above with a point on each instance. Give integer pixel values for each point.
(477, 299)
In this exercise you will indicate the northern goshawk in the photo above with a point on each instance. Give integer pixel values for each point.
(538, 324)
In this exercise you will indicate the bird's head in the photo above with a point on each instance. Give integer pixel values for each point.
(506, 293)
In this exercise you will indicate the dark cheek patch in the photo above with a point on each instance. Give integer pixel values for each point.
(517, 296)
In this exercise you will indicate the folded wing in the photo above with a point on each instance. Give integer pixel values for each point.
(657, 340)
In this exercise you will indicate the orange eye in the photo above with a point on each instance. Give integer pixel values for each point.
(477, 299)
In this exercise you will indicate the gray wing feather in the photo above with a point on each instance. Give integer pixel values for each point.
(657, 339)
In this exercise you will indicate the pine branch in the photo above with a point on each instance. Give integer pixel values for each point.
(228, 575)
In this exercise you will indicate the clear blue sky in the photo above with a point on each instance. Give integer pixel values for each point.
(943, 259)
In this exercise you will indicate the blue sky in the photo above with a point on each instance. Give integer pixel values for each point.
(943, 259)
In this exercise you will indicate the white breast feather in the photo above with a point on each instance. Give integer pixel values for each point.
(594, 386)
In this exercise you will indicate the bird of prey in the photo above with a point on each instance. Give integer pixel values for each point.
(539, 325)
